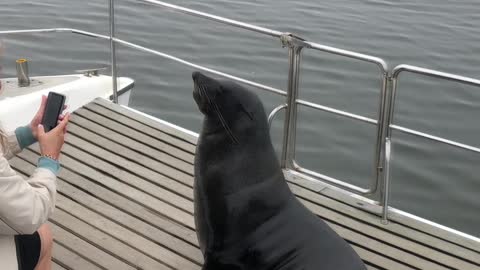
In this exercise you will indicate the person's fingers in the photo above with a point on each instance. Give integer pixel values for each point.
(40, 130)
(62, 125)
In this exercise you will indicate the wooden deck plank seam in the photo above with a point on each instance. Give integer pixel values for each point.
(108, 174)
(421, 244)
(146, 121)
(121, 163)
(153, 153)
(168, 137)
(138, 126)
(56, 223)
(139, 235)
(63, 217)
(92, 137)
(59, 260)
(127, 228)
(134, 135)
(117, 119)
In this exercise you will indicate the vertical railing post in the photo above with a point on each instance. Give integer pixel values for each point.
(381, 134)
(113, 57)
(387, 156)
(386, 183)
(295, 46)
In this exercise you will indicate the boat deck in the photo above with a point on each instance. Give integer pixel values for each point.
(125, 202)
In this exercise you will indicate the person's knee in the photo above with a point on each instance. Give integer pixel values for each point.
(46, 237)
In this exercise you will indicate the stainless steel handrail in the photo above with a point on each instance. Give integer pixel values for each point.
(396, 72)
(113, 56)
(337, 112)
(215, 18)
(152, 51)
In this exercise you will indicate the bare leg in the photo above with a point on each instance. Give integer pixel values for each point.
(45, 260)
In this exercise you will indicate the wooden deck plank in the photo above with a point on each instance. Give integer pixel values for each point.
(445, 247)
(138, 169)
(115, 180)
(145, 230)
(135, 125)
(70, 259)
(106, 242)
(152, 204)
(377, 259)
(371, 267)
(145, 120)
(56, 266)
(133, 144)
(85, 253)
(391, 239)
(129, 153)
(414, 236)
(385, 249)
(134, 134)
(102, 194)
(145, 245)
(139, 227)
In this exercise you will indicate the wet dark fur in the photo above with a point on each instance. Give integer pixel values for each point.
(246, 216)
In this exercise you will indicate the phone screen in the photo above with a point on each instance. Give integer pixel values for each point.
(53, 110)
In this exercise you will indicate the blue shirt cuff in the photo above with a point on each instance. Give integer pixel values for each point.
(25, 136)
(49, 164)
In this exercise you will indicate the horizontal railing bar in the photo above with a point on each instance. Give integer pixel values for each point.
(145, 49)
(332, 180)
(397, 70)
(435, 138)
(337, 112)
(215, 18)
(55, 30)
(354, 55)
(190, 64)
(434, 73)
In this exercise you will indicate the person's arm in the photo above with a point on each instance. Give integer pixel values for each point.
(26, 205)
(21, 138)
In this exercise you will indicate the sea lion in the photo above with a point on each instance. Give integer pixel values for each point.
(245, 214)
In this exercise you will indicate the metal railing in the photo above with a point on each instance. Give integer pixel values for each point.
(388, 84)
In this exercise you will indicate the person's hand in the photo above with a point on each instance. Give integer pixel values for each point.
(51, 143)
(37, 119)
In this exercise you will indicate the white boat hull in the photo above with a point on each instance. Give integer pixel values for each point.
(19, 104)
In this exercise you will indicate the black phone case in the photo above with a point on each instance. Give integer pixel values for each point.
(53, 109)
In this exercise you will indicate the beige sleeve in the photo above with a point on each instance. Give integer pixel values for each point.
(12, 146)
(25, 205)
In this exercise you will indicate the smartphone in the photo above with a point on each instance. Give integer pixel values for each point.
(53, 109)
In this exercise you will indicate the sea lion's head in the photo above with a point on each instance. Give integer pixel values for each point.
(229, 108)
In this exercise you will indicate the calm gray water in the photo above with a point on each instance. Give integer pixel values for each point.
(431, 180)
